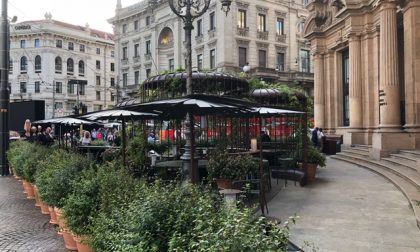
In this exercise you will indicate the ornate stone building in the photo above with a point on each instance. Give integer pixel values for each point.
(267, 34)
(367, 71)
(62, 64)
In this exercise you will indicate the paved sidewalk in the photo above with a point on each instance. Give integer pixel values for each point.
(348, 208)
(22, 226)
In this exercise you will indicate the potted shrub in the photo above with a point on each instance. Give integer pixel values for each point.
(313, 159)
(226, 168)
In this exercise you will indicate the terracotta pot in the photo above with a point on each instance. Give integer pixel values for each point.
(310, 171)
(37, 204)
(69, 242)
(25, 186)
(60, 219)
(53, 216)
(82, 246)
(29, 190)
(44, 207)
(224, 183)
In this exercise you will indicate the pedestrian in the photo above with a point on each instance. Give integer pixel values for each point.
(85, 140)
(321, 136)
(314, 137)
(265, 137)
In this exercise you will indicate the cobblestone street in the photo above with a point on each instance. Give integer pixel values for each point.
(22, 226)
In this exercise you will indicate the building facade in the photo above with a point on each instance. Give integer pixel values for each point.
(266, 34)
(65, 65)
(367, 71)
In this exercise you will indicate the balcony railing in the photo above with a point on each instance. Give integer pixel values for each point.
(242, 31)
(263, 35)
(281, 38)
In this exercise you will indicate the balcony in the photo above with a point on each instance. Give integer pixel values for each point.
(124, 61)
(281, 38)
(147, 57)
(136, 59)
(199, 39)
(242, 31)
(212, 33)
(263, 35)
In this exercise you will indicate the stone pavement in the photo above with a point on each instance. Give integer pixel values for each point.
(348, 208)
(22, 226)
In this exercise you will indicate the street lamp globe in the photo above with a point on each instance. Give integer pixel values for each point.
(226, 5)
(246, 68)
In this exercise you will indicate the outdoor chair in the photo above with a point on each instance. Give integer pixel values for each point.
(286, 169)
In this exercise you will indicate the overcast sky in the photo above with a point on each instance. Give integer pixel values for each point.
(77, 12)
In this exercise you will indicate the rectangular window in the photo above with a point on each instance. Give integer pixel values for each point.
(148, 47)
(212, 58)
(58, 87)
(171, 65)
(280, 62)
(136, 25)
(71, 46)
(98, 95)
(346, 83)
(23, 87)
(98, 64)
(23, 44)
(199, 62)
(124, 53)
(261, 23)
(125, 79)
(136, 77)
(98, 50)
(305, 2)
(136, 50)
(280, 26)
(112, 97)
(98, 80)
(112, 54)
(147, 20)
(112, 82)
(199, 27)
(124, 28)
(112, 67)
(82, 48)
(305, 61)
(82, 89)
(37, 87)
(59, 43)
(148, 72)
(70, 88)
(242, 19)
(37, 43)
(262, 58)
(58, 105)
(242, 56)
(212, 21)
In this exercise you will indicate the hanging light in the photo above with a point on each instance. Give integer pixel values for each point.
(226, 5)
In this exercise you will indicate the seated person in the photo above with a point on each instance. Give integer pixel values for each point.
(85, 140)
(265, 137)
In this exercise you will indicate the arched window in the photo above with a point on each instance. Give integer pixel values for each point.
(37, 64)
(70, 66)
(301, 26)
(81, 68)
(23, 64)
(58, 65)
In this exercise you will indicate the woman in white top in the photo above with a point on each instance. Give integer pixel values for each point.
(85, 140)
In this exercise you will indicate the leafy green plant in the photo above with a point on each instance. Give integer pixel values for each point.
(32, 162)
(230, 166)
(313, 155)
(98, 143)
(18, 151)
(54, 181)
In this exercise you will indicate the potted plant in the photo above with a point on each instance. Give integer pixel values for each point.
(313, 159)
(226, 168)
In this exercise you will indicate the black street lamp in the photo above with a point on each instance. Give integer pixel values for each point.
(4, 92)
(188, 11)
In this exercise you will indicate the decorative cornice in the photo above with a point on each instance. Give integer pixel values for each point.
(242, 42)
(281, 48)
(242, 5)
(261, 9)
(262, 45)
(281, 14)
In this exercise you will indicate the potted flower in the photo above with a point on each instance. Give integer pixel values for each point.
(226, 168)
(313, 159)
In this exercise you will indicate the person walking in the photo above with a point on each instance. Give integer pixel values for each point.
(314, 137)
(321, 136)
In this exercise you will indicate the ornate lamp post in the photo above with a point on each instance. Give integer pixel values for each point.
(188, 11)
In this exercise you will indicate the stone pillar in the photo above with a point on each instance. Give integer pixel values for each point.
(319, 96)
(389, 87)
(355, 92)
(389, 138)
(412, 65)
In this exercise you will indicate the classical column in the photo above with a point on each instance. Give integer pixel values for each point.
(355, 82)
(319, 96)
(389, 87)
(412, 65)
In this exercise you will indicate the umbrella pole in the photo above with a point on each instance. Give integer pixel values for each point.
(263, 202)
(123, 142)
